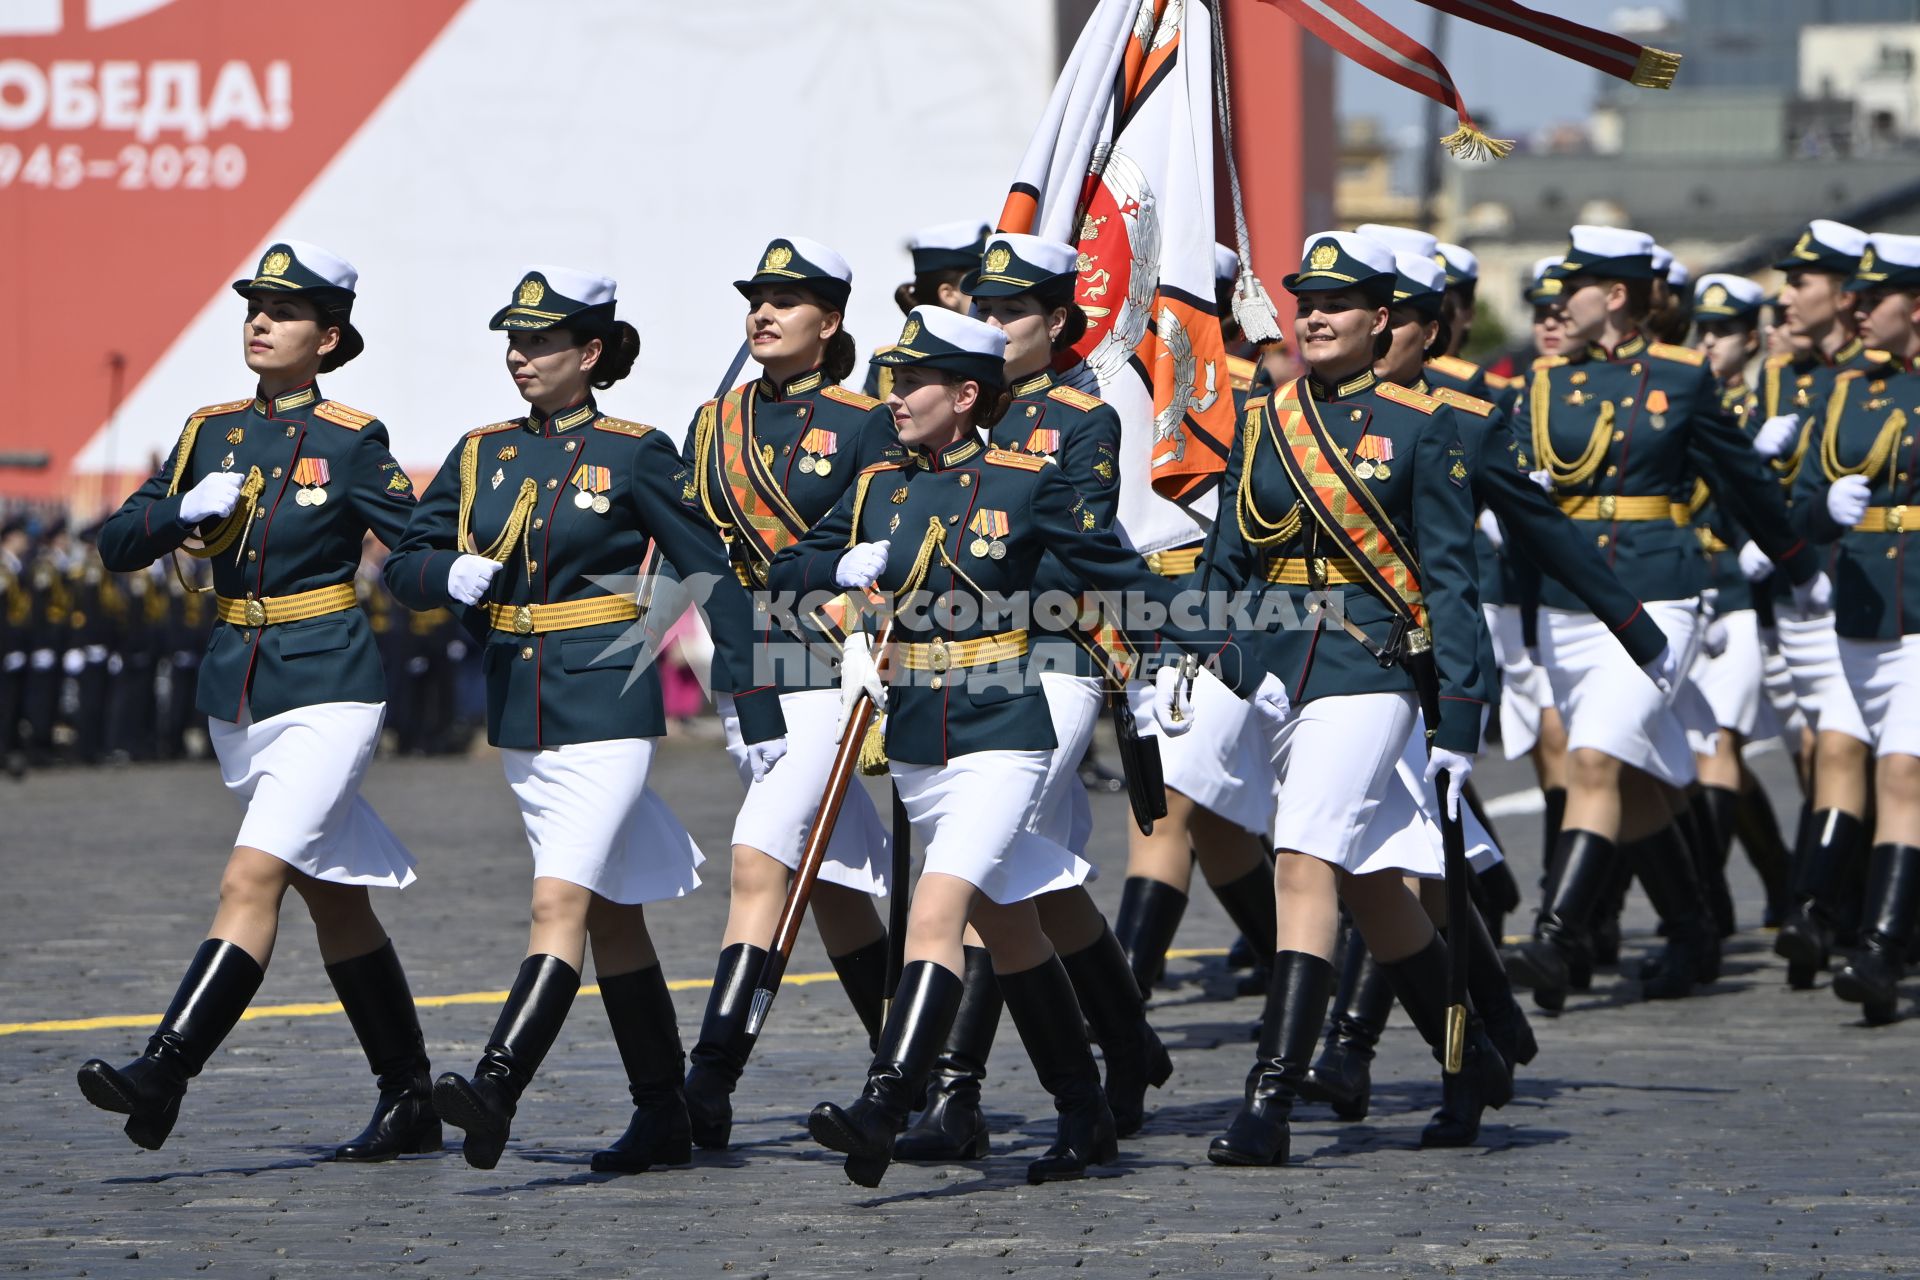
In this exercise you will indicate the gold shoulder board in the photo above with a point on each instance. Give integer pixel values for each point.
(1078, 399)
(490, 428)
(1684, 355)
(1407, 396)
(621, 427)
(1461, 400)
(342, 415)
(1454, 366)
(231, 406)
(853, 398)
(1024, 461)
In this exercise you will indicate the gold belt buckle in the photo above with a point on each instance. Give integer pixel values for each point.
(256, 614)
(938, 658)
(523, 620)
(1896, 519)
(1606, 506)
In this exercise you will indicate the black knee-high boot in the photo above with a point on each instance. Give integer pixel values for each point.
(1484, 1080)
(640, 1009)
(863, 976)
(529, 1023)
(1342, 1076)
(373, 989)
(1582, 864)
(953, 1127)
(1248, 902)
(1499, 896)
(720, 1055)
(1713, 809)
(1042, 1003)
(1296, 1005)
(1829, 841)
(1146, 923)
(917, 1024)
(1691, 954)
(1492, 995)
(1871, 978)
(1758, 830)
(1553, 817)
(216, 989)
(1117, 1018)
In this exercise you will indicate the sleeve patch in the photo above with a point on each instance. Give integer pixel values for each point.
(341, 415)
(1078, 399)
(1461, 400)
(1407, 396)
(1681, 355)
(621, 427)
(853, 398)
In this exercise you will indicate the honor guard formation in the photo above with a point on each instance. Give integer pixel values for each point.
(1677, 531)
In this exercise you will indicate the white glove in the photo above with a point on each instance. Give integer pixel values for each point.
(1713, 642)
(859, 676)
(1459, 768)
(1814, 596)
(860, 567)
(469, 578)
(215, 495)
(1775, 434)
(1663, 669)
(1847, 500)
(1754, 564)
(73, 662)
(762, 756)
(1271, 703)
(1490, 525)
(1172, 700)
(1543, 478)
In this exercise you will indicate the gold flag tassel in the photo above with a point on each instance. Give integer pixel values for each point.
(1469, 143)
(1655, 69)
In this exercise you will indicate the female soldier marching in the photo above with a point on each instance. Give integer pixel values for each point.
(294, 693)
(969, 735)
(561, 501)
(764, 462)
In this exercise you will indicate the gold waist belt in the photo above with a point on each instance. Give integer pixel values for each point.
(538, 619)
(1612, 507)
(1883, 520)
(276, 609)
(947, 655)
(1710, 541)
(1292, 571)
(1175, 563)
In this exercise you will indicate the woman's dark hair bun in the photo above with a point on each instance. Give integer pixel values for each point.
(619, 348)
(994, 403)
(336, 357)
(840, 357)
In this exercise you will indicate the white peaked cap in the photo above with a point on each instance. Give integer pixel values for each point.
(964, 332)
(945, 235)
(331, 267)
(1421, 270)
(1610, 242)
(822, 257)
(1400, 239)
(582, 286)
(1463, 261)
(1739, 288)
(1361, 248)
(1838, 235)
(1898, 251)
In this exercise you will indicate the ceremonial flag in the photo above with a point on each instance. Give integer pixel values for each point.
(1122, 166)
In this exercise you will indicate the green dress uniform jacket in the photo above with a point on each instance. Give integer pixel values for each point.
(1081, 433)
(1552, 545)
(577, 684)
(1632, 428)
(1444, 373)
(1417, 473)
(853, 430)
(1868, 426)
(1721, 535)
(287, 547)
(965, 524)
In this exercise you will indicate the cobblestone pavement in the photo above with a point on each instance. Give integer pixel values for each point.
(1755, 1131)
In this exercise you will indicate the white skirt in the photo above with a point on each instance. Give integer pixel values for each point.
(1776, 682)
(1812, 651)
(974, 816)
(1885, 678)
(298, 773)
(1074, 702)
(1405, 831)
(1335, 760)
(1731, 683)
(777, 816)
(1524, 687)
(592, 820)
(1221, 762)
(1607, 701)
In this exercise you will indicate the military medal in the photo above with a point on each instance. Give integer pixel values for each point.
(226, 463)
(893, 525)
(1374, 452)
(817, 447)
(988, 527)
(1657, 409)
(499, 477)
(508, 452)
(899, 496)
(1043, 440)
(235, 435)
(593, 483)
(311, 475)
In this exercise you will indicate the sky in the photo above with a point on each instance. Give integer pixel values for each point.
(1512, 87)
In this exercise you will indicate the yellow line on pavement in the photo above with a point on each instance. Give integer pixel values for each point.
(326, 1007)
